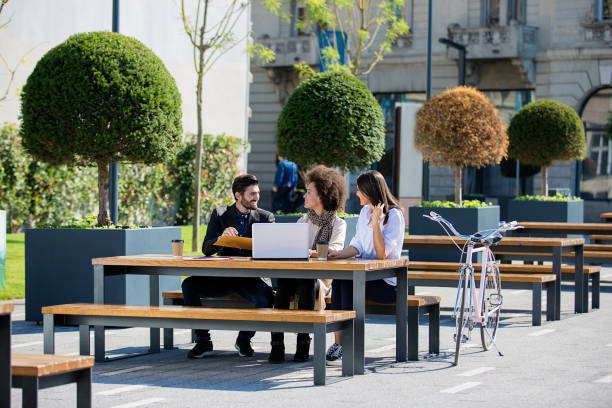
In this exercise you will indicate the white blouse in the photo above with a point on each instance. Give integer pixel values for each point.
(392, 232)
(336, 241)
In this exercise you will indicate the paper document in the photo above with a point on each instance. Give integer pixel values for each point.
(235, 242)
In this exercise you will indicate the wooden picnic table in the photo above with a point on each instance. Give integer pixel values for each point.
(6, 308)
(607, 217)
(561, 228)
(518, 245)
(356, 270)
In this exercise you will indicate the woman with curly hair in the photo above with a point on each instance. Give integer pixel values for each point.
(325, 195)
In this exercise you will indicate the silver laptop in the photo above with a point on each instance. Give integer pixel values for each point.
(283, 240)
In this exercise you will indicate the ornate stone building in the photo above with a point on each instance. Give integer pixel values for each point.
(517, 51)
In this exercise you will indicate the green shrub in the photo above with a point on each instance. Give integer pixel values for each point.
(545, 131)
(556, 197)
(452, 204)
(220, 156)
(99, 98)
(331, 119)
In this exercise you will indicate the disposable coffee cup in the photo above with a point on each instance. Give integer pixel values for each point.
(177, 247)
(322, 249)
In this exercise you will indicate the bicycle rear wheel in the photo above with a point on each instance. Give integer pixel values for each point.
(461, 314)
(491, 305)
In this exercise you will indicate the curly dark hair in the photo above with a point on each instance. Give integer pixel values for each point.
(330, 185)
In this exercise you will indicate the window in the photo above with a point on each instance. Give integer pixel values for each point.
(490, 12)
(501, 12)
(407, 13)
(517, 10)
(298, 25)
(603, 10)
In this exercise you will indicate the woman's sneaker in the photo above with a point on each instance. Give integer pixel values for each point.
(201, 349)
(333, 356)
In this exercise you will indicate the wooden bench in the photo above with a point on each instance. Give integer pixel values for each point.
(591, 272)
(300, 321)
(417, 306)
(33, 372)
(606, 217)
(535, 282)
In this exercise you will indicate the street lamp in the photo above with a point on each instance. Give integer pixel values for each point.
(113, 188)
(462, 52)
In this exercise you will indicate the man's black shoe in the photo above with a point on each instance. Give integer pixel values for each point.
(201, 349)
(302, 349)
(277, 354)
(244, 347)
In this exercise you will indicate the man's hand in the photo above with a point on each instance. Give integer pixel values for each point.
(230, 232)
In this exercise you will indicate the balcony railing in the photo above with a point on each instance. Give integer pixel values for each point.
(293, 50)
(511, 41)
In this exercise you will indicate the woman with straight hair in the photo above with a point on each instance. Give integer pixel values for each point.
(379, 235)
(324, 197)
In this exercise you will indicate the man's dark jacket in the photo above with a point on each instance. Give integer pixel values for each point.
(224, 217)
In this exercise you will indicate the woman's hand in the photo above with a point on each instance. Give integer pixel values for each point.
(345, 253)
(313, 253)
(331, 254)
(378, 214)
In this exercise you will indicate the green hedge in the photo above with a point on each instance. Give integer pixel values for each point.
(35, 193)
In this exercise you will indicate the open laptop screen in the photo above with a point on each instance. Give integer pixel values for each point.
(288, 241)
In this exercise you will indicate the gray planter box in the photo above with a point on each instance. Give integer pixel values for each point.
(2, 249)
(58, 265)
(546, 211)
(351, 224)
(465, 220)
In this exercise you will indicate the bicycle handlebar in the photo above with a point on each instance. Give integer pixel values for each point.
(478, 236)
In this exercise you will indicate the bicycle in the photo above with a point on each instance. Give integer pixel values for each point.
(484, 304)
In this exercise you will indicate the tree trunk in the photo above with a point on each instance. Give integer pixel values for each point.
(198, 161)
(103, 210)
(458, 195)
(545, 181)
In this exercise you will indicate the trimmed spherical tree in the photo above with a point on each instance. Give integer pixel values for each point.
(460, 128)
(332, 119)
(99, 98)
(544, 131)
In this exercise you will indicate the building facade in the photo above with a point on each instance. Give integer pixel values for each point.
(517, 51)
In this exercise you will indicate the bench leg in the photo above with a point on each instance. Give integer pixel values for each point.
(556, 261)
(49, 333)
(99, 347)
(84, 388)
(154, 336)
(5, 360)
(434, 329)
(29, 392)
(411, 290)
(536, 304)
(595, 290)
(168, 338)
(551, 290)
(348, 350)
(84, 340)
(413, 333)
(319, 354)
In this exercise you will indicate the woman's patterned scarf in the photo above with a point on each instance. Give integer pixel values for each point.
(326, 222)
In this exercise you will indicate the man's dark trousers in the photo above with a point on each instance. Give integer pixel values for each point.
(253, 290)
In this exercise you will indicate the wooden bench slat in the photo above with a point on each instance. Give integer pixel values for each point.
(453, 266)
(413, 301)
(178, 294)
(37, 365)
(504, 277)
(185, 312)
(6, 307)
(587, 254)
(596, 237)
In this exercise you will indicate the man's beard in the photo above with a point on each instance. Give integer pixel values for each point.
(251, 205)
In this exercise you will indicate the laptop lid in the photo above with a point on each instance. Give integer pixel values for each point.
(282, 240)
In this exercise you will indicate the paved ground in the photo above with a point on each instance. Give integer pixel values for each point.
(562, 364)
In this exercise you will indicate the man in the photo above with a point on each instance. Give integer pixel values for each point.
(284, 182)
(235, 220)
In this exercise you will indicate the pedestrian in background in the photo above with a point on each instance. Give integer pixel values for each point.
(285, 181)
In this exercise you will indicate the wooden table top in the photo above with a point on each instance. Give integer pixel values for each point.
(506, 241)
(567, 226)
(249, 263)
(6, 307)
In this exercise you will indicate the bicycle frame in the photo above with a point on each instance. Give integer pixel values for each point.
(475, 315)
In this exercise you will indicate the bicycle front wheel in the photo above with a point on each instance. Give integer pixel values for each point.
(491, 305)
(461, 314)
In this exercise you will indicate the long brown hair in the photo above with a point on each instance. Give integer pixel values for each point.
(373, 185)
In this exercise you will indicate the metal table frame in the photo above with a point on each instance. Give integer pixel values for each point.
(31, 385)
(5, 359)
(358, 277)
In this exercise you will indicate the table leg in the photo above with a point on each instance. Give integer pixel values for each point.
(154, 301)
(556, 263)
(401, 314)
(5, 355)
(49, 334)
(582, 290)
(99, 347)
(84, 388)
(359, 329)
